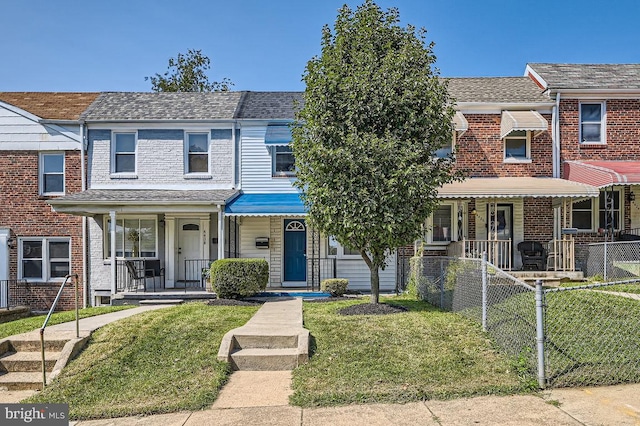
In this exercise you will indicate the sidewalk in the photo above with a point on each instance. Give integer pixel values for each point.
(613, 405)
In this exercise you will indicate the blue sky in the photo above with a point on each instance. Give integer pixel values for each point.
(111, 45)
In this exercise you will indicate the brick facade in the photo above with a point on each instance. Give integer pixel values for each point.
(27, 214)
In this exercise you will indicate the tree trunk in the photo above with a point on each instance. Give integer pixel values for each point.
(375, 284)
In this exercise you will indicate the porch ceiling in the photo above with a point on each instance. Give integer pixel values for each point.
(516, 187)
(101, 201)
(603, 173)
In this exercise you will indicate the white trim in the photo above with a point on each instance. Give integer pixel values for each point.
(112, 166)
(274, 156)
(603, 122)
(497, 108)
(452, 232)
(195, 125)
(595, 211)
(597, 93)
(177, 186)
(107, 229)
(186, 153)
(41, 173)
(39, 146)
(535, 76)
(45, 276)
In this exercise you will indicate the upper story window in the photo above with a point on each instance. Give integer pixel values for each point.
(52, 174)
(603, 212)
(197, 153)
(123, 158)
(283, 161)
(517, 146)
(44, 259)
(445, 151)
(592, 122)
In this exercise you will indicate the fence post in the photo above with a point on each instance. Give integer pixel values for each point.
(442, 275)
(605, 260)
(484, 291)
(540, 334)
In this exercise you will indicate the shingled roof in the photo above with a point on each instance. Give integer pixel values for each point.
(588, 76)
(496, 90)
(121, 106)
(270, 105)
(51, 105)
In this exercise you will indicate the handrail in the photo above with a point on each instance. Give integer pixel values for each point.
(46, 320)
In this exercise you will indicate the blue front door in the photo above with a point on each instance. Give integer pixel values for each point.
(295, 240)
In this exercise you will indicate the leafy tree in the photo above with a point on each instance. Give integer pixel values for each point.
(186, 73)
(374, 113)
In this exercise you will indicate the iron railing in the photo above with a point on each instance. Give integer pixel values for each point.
(11, 293)
(196, 274)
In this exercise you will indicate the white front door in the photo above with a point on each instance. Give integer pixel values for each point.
(188, 248)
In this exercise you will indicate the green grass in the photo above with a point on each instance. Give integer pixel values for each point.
(25, 325)
(156, 362)
(623, 288)
(421, 354)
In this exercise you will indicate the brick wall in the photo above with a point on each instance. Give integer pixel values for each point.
(27, 214)
(538, 214)
(622, 131)
(480, 151)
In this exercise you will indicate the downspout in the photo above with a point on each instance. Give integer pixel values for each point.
(83, 187)
(555, 123)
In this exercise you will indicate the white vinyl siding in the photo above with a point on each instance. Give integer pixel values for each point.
(20, 133)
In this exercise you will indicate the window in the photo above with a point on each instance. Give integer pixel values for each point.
(124, 153)
(44, 259)
(517, 146)
(592, 119)
(284, 162)
(335, 249)
(446, 150)
(52, 174)
(135, 237)
(197, 160)
(608, 211)
(439, 225)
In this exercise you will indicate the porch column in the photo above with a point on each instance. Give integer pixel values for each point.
(114, 266)
(221, 241)
(170, 251)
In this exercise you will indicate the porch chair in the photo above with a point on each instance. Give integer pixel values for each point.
(152, 269)
(135, 277)
(533, 254)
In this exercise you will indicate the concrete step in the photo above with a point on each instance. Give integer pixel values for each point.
(33, 345)
(161, 302)
(21, 381)
(261, 359)
(27, 361)
(266, 341)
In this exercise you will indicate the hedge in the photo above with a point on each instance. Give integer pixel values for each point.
(334, 286)
(237, 278)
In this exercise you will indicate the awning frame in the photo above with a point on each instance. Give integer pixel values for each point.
(522, 120)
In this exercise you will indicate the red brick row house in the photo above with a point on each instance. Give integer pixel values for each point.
(41, 158)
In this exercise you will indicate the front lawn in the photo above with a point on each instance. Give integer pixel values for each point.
(156, 362)
(25, 325)
(416, 355)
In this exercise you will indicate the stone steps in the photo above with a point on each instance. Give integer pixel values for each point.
(27, 361)
(21, 362)
(264, 359)
(18, 381)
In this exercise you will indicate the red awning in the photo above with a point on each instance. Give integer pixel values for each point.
(603, 173)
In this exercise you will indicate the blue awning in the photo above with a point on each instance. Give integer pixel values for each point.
(278, 135)
(288, 204)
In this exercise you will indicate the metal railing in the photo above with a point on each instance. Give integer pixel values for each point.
(11, 293)
(196, 273)
(498, 251)
(46, 321)
(612, 260)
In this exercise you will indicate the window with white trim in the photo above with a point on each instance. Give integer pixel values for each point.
(592, 122)
(440, 225)
(447, 150)
(590, 214)
(123, 158)
(197, 153)
(52, 174)
(334, 248)
(517, 146)
(136, 237)
(44, 259)
(283, 161)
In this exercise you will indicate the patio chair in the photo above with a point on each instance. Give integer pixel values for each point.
(534, 255)
(153, 269)
(136, 278)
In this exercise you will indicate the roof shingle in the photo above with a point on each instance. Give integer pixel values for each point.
(589, 76)
(496, 90)
(51, 105)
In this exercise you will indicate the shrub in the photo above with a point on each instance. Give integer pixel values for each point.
(334, 286)
(236, 278)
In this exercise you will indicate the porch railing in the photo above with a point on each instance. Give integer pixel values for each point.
(498, 251)
(321, 269)
(13, 293)
(196, 273)
(561, 255)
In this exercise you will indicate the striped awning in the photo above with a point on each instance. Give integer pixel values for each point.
(278, 135)
(460, 122)
(603, 173)
(273, 204)
(522, 120)
(517, 187)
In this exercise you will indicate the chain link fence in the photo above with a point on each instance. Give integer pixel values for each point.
(611, 260)
(572, 336)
